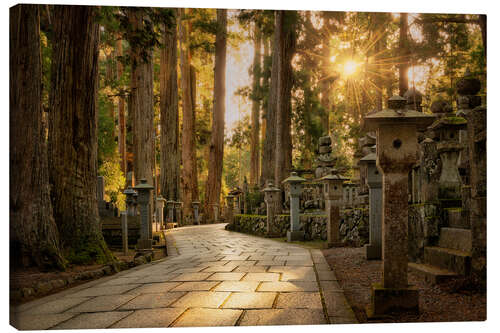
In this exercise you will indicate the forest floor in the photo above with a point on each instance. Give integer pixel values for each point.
(445, 302)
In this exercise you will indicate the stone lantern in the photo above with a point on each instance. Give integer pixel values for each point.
(374, 180)
(178, 212)
(447, 129)
(413, 99)
(135, 202)
(196, 215)
(160, 203)
(143, 199)
(230, 209)
(397, 152)
(216, 212)
(333, 191)
(295, 184)
(129, 200)
(170, 211)
(272, 199)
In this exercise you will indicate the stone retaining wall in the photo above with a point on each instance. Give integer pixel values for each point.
(353, 225)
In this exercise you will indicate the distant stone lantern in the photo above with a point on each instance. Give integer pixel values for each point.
(230, 209)
(129, 200)
(178, 212)
(272, 199)
(413, 99)
(397, 152)
(160, 203)
(374, 180)
(143, 199)
(333, 191)
(196, 215)
(295, 183)
(170, 211)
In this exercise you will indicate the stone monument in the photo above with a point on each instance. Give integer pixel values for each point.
(272, 199)
(143, 199)
(333, 191)
(295, 184)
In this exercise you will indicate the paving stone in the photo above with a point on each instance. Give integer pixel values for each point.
(282, 317)
(120, 281)
(201, 299)
(270, 263)
(241, 262)
(57, 306)
(327, 276)
(303, 275)
(235, 276)
(330, 286)
(290, 269)
(288, 286)
(26, 321)
(159, 278)
(300, 300)
(237, 286)
(261, 257)
(299, 263)
(250, 301)
(102, 303)
(192, 276)
(261, 277)
(151, 301)
(235, 257)
(196, 286)
(93, 320)
(343, 320)
(336, 304)
(150, 318)
(153, 288)
(103, 291)
(219, 269)
(323, 267)
(251, 269)
(208, 317)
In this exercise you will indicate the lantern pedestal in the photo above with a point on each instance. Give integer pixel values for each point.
(387, 300)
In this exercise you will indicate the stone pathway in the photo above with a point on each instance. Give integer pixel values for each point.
(212, 277)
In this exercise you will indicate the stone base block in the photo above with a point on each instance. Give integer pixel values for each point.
(145, 244)
(294, 236)
(385, 301)
(373, 252)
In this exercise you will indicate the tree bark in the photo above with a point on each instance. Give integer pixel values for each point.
(34, 239)
(73, 133)
(265, 103)
(122, 133)
(482, 26)
(216, 154)
(254, 140)
(169, 108)
(403, 53)
(285, 28)
(189, 183)
(132, 100)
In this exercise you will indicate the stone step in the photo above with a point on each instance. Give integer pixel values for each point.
(455, 219)
(431, 274)
(456, 238)
(450, 259)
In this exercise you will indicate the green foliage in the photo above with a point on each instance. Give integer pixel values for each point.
(106, 144)
(114, 180)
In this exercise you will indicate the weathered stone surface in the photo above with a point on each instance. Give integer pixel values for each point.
(250, 300)
(93, 320)
(155, 288)
(102, 303)
(57, 306)
(234, 276)
(261, 277)
(150, 318)
(192, 276)
(288, 286)
(25, 321)
(201, 299)
(282, 317)
(302, 300)
(208, 317)
(103, 291)
(241, 286)
(196, 286)
(150, 301)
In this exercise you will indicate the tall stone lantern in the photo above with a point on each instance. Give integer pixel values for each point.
(160, 203)
(170, 211)
(397, 152)
(374, 180)
(129, 200)
(178, 212)
(295, 184)
(196, 215)
(145, 242)
(272, 200)
(333, 191)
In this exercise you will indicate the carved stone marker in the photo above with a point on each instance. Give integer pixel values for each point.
(124, 232)
(170, 211)
(178, 212)
(216, 213)
(272, 199)
(129, 200)
(396, 154)
(230, 209)
(333, 191)
(196, 215)
(143, 199)
(295, 183)
(374, 180)
(160, 203)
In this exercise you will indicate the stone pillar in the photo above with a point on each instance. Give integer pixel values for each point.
(145, 242)
(170, 211)
(135, 203)
(129, 200)
(374, 180)
(396, 154)
(230, 209)
(178, 212)
(245, 196)
(160, 203)
(196, 216)
(272, 199)
(216, 213)
(124, 232)
(333, 191)
(295, 184)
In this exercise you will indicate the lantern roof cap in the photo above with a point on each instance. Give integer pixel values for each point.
(144, 185)
(294, 178)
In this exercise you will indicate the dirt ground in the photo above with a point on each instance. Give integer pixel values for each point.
(445, 302)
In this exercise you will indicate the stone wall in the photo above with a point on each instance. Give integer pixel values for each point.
(353, 225)
(424, 221)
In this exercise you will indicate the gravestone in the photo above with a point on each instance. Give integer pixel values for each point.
(196, 215)
(230, 209)
(272, 199)
(143, 200)
(396, 154)
(124, 232)
(170, 211)
(333, 190)
(295, 184)
(178, 212)
(129, 200)
(160, 203)
(216, 213)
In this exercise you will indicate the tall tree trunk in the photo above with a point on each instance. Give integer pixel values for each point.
(254, 139)
(189, 184)
(285, 29)
(403, 53)
(34, 239)
(73, 133)
(122, 128)
(265, 103)
(269, 154)
(216, 155)
(133, 100)
(169, 108)
(482, 26)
